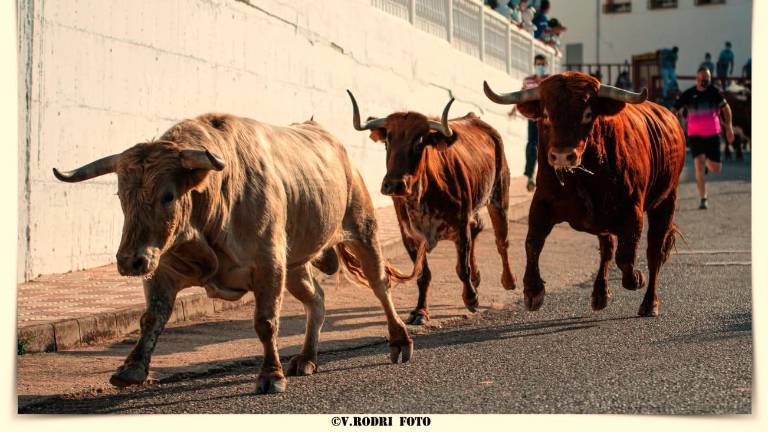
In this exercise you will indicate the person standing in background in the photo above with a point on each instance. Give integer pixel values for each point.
(707, 63)
(725, 65)
(746, 71)
(539, 73)
(667, 63)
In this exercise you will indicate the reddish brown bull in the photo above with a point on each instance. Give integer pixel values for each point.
(606, 156)
(439, 175)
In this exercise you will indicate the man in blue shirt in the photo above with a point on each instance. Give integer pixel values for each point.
(667, 62)
(725, 65)
(540, 20)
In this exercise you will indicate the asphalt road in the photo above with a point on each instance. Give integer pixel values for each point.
(695, 358)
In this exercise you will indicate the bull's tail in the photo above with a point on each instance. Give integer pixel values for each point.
(355, 268)
(670, 241)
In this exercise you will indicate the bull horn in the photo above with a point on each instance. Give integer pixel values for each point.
(442, 127)
(96, 168)
(370, 124)
(622, 95)
(516, 97)
(201, 159)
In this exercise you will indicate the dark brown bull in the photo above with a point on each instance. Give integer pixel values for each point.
(740, 100)
(606, 156)
(440, 174)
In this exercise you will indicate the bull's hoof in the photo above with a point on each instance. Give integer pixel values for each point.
(396, 349)
(299, 365)
(508, 281)
(649, 309)
(270, 383)
(418, 317)
(533, 301)
(599, 302)
(633, 281)
(471, 302)
(128, 375)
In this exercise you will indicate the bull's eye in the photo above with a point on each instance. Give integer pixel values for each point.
(167, 198)
(418, 146)
(587, 117)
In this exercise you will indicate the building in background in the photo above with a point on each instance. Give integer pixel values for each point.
(612, 31)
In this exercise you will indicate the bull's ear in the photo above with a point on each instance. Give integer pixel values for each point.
(378, 134)
(531, 110)
(607, 107)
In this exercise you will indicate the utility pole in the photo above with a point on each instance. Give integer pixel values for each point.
(597, 32)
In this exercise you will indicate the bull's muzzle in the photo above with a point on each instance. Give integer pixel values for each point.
(563, 158)
(137, 264)
(395, 187)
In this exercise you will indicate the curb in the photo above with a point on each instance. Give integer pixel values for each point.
(72, 333)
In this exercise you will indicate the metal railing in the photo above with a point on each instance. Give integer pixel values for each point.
(475, 30)
(607, 72)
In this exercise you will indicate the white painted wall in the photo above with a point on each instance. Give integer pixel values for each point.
(104, 75)
(694, 29)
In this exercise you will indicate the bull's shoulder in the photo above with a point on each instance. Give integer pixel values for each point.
(473, 127)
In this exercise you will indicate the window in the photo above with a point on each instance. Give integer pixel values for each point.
(708, 2)
(617, 6)
(662, 4)
(574, 53)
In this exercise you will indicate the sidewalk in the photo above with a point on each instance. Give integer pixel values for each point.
(62, 311)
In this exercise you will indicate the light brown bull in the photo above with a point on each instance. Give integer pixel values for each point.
(235, 205)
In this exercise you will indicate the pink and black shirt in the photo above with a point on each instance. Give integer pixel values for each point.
(703, 110)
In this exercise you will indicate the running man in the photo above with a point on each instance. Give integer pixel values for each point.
(704, 105)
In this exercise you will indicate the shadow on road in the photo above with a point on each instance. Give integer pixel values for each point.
(231, 373)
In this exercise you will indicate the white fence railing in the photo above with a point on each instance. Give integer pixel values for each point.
(475, 30)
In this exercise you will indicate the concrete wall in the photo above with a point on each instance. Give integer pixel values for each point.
(694, 29)
(100, 76)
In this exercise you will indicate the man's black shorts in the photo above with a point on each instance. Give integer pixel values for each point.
(706, 145)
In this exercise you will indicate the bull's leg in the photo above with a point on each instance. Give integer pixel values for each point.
(626, 251)
(160, 295)
(305, 288)
(368, 251)
(600, 292)
(475, 228)
(498, 216)
(661, 240)
(540, 223)
(268, 292)
(419, 315)
(463, 267)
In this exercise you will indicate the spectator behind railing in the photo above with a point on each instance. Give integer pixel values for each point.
(551, 35)
(623, 81)
(500, 6)
(517, 12)
(527, 14)
(540, 20)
